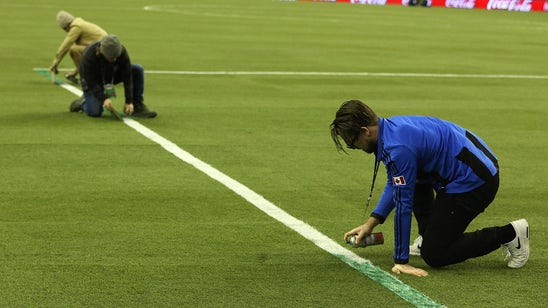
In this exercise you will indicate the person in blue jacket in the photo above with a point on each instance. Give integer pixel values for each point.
(437, 171)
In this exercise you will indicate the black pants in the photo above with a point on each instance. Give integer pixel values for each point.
(443, 218)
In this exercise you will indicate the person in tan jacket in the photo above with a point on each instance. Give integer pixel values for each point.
(80, 34)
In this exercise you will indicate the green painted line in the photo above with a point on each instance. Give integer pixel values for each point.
(406, 292)
(46, 74)
(364, 266)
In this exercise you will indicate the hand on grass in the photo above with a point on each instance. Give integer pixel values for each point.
(108, 104)
(128, 108)
(53, 67)
(409, 269)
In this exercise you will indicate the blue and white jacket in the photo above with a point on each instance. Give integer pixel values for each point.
(454, 159)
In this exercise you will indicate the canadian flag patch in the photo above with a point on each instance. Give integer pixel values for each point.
(398, 180)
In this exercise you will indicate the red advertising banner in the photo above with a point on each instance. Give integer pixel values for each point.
(506, 5)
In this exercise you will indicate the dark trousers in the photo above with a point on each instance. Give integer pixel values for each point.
(443, 218)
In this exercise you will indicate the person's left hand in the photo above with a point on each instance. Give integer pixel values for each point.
(409, 269)
(53, 67)
(128, 108)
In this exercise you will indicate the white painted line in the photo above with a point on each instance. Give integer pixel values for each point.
(364, 266)
(71, 89)
(340, 74)
(252, 197)
(351, 74)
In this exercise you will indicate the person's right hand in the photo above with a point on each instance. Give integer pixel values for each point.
(363, 230)
(360, 232)
(108, 104)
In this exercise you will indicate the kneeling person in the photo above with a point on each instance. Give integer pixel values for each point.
(105, 64)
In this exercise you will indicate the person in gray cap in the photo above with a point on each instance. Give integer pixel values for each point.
(105, 64)
(80, 34)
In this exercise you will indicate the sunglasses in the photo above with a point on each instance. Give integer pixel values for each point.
(352, 144)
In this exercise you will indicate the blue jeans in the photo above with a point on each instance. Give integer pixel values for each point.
(93, 106)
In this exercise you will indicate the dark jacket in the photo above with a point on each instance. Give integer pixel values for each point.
(96, 71)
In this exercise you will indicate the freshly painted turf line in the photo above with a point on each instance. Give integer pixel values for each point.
(364, 266)
(351, 74)
(341, 74)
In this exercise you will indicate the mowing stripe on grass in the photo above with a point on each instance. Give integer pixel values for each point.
(364, 266)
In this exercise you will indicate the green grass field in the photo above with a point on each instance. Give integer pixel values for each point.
(92, 213)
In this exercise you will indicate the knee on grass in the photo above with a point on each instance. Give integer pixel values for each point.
(433, 257)
(94, 113)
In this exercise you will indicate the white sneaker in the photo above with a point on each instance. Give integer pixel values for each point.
(518, 248)
(415, 249)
